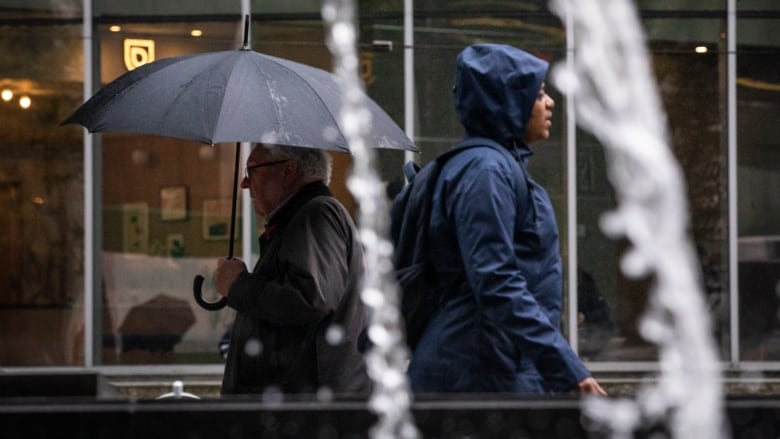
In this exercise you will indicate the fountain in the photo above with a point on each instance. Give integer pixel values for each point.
(386, 360)
(652, 214)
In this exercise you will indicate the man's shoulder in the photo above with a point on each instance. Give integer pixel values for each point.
(324, 206)
(321, 202)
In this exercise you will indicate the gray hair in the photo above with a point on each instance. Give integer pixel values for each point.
(313, 164)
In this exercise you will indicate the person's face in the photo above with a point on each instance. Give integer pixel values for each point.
(541, 118)
(267, 179)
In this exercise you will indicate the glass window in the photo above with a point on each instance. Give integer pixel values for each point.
(153, 8)
(261, 7)
(41, 191)
(680, 5)
(26, 10)
(446, 31)
(166, 213)
(758, 177)
(688, 56)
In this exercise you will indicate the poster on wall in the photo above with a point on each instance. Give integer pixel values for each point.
(135, 228)
(216, 219)
(173, 203)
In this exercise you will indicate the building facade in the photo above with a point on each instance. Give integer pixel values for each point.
(104, 233)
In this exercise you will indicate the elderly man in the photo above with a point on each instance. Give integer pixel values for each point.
(299, 310)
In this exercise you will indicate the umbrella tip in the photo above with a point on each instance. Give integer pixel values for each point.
(246, 33)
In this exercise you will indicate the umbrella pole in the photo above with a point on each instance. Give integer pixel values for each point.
(235, 200)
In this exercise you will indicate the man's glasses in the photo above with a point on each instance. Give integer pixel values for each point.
(247, 169)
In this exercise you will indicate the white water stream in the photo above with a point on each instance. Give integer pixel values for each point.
(386, 361)
(615, 98)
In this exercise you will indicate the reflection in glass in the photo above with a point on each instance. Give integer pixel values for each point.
(154, 194)
(758, 180)
(41, 202)
(692, 87)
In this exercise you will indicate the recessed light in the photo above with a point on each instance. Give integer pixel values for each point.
(196, 33)
(115, 28)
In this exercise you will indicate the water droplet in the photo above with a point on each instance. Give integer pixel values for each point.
(343, 33)
(253, 347)
(269, 138)
(273, 394)
(372, 297)
(334, 335)
(330, 133)
(324, 394)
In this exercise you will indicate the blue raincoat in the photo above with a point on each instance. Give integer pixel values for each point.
(499, 329)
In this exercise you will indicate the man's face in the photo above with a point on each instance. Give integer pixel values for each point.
(266, 179)
(541, 118)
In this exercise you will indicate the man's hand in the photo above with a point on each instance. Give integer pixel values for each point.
(589, 386)
(227, 273)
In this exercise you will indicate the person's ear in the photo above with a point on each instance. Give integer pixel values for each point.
(290, 172)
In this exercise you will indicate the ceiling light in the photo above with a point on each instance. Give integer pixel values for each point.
(115, 28)
(7, 95)
(25, 102)
(700, 49)
(196, 33)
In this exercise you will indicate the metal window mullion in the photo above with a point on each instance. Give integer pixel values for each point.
(571, 193)
(247, 234)
(409, 83)
(731, 87)
(89, 196)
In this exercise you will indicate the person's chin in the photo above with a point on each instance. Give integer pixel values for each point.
(258, 210)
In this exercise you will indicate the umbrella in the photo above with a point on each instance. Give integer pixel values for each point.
(232, 96)
(157, 324)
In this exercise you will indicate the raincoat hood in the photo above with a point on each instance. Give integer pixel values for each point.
(495, 90)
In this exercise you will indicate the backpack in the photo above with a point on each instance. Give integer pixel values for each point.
(421, 294)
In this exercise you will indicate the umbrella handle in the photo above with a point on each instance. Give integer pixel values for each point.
(197, 285)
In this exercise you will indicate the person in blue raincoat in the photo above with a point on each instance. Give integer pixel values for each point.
(498, 330)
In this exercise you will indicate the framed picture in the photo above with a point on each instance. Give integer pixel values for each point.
(174, 244)
(173, 203)
(216, 218)
(135, 227)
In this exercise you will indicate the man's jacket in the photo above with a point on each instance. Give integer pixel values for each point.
(299, 312)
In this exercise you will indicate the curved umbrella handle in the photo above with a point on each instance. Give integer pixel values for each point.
(197, 284)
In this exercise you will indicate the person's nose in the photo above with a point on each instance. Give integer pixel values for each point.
(550, 102)
(244, 183)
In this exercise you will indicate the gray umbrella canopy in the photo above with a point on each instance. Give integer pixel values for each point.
(232, 96)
